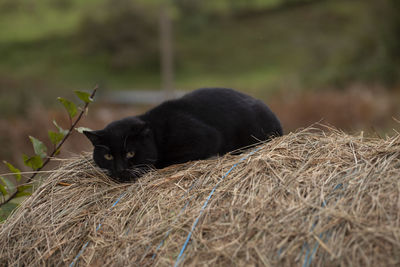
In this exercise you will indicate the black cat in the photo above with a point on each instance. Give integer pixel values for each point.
(203, 123)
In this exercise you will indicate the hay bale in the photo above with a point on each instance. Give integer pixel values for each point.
(321, 198)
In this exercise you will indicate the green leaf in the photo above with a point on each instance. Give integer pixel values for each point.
(84, 96)
(10, 187)
(3, 190)
(81, 129)
(17, 172)
(69, 106)
(22, 194)
(39, 147)
(6, 209)
(60, 129)
(55, 137)
(34, 162)
(24, 187)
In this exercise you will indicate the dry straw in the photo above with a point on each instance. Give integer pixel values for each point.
(310, 198)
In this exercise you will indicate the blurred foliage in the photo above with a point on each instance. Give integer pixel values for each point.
(259, 45)
(299, 44)
(124, 31)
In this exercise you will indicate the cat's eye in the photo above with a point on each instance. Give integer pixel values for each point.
(130, 154)
(108, 156)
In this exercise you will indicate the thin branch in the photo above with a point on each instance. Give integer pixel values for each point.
(57, 148)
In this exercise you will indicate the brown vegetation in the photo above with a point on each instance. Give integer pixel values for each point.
(358, 108)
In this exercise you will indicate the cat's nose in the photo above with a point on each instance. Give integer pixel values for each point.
(118, 170)
(118, 167)
(123, 176)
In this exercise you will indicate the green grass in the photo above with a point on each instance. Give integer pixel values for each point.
(31, 21)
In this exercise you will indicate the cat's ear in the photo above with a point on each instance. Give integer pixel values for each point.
(93, 136)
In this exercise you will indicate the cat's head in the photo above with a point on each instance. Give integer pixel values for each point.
(125, 148)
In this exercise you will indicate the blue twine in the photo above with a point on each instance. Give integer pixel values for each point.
(79, 254)
(205, 205)
(170, 229)
(177, 217)
(308, 260)
(307, 248)
(97, 228)
(308, 257)
(280, 250)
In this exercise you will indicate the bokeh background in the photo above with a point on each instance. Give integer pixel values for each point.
(330, 61)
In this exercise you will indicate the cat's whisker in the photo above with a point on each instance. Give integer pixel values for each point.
(140, 169)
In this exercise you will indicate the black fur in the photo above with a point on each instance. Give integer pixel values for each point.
(203, 123)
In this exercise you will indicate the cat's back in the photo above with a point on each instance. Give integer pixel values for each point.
(209, 100)
(214, 93)
(218, 97)
(222, 108)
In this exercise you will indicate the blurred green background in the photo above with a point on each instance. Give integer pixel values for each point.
(335, 61)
